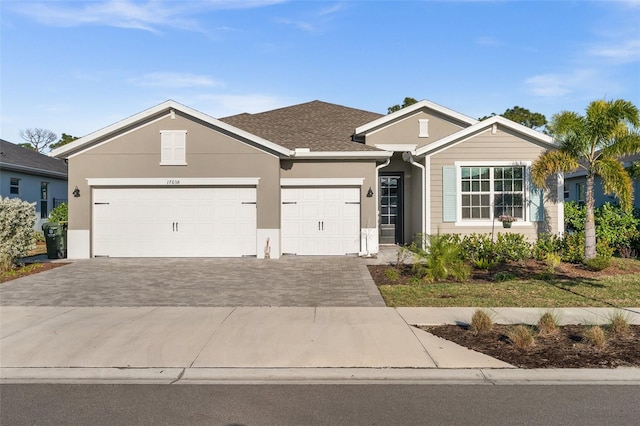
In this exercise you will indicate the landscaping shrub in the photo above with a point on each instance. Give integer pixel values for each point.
(619, 227)
(598, 263)
(512, 246)
(595, 335)
(521, 336)
(17, 218)
(502, 276)
(481, 322)
(619, 324)
(440, 260)
(552, 260)
(477, 246)
(38, 236)
(392, 274)
(59, 214)
(547, 324)
(546, 243)
(573, 247)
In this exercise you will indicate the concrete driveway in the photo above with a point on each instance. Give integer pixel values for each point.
(289, 281)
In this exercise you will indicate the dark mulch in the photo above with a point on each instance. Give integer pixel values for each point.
(565, 349)
(29, 269)
(524, 270)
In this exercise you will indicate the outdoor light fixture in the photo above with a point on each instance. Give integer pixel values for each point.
(370, 193)
(76, 192)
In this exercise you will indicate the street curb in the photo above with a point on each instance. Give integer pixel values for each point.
(193, 376)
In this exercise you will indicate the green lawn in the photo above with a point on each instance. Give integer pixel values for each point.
(615, 290)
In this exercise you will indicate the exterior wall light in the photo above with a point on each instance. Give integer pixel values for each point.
(76, 192)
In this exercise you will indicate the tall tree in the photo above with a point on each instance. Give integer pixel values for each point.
(38, 138)
(594, 143)
(533, 120)
(407, 101)
(64, 139)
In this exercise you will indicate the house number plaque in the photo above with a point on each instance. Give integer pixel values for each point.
(173, 181)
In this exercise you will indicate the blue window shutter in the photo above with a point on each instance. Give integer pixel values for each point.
(449, 194)
(536, 203)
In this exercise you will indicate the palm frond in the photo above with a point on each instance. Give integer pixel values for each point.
(552, 162)
(615, 180)
(625, 142)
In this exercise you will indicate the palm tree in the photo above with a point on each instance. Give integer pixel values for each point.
(593, 142)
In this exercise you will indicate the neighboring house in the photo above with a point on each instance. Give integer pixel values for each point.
(310, 179)
(33, 177)
(575, 186)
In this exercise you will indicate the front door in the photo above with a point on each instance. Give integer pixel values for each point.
(391, 231)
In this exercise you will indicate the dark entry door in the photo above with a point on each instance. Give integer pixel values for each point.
(391, 209)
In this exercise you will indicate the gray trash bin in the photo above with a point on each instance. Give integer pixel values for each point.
(55, 235)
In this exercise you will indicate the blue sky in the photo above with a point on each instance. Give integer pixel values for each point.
(75, 66)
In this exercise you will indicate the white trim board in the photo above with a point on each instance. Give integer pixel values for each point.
(173, 181)
(396, 147)
(321, 182)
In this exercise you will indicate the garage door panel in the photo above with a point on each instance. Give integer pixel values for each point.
(320, 221)
(174, 222)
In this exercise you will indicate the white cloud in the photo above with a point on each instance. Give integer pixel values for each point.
(313, 21)
(561, 84)
(627, 51)
(175, 80)
(301, 25)
(141, 15)
(223, 105)
(487, 41)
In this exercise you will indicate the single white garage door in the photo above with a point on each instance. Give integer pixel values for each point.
(320, 221)
(174, 222)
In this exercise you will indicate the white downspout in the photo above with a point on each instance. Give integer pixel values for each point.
(408, 156)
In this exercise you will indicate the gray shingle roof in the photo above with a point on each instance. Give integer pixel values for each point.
(14, 157)
(317, 125)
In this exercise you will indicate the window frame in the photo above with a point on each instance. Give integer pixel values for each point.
(169, 144)
(14, 188)
(581, 188)
(526, 165)
(44, 200)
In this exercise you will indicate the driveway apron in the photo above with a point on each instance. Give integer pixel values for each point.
(289, 281)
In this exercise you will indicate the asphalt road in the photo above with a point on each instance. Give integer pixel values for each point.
(348, 404)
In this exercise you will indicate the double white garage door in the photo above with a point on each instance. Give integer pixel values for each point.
(174, 222)
(220, 222)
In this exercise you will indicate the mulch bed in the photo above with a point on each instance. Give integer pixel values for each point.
(565, 349)
(523, 270)
(29, 269)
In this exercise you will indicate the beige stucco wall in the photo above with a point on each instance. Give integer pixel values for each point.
(339, 169)
(503, 146)
(406, 130)
(209, 153)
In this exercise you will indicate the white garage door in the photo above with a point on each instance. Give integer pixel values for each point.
(174, 222)
(320, 221)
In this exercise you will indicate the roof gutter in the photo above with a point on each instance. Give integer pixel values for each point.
(340, 155)
(33, 170)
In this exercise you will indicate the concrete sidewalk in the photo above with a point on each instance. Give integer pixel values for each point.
(209, 344)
